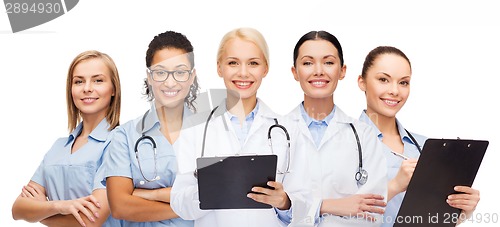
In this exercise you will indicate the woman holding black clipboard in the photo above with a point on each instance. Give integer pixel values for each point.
(240, 126)
(385, 79)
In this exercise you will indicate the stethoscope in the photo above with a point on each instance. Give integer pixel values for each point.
(269, 138)
(361, 175)
(153, 144)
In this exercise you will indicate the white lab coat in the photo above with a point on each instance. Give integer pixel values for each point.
(332, 166)
(221, 140)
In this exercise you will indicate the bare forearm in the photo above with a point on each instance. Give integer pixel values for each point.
(327, 207)
(32, 210)
(124, 205)
(160, 194)
(70, 221)
(133, 208)
(61, 221)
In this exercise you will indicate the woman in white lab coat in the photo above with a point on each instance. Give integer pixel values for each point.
(240, 126)
(342, 195)
(385, 79)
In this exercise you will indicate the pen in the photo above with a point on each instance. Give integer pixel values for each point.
(400, 155)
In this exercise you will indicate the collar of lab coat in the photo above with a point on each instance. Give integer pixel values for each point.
(333, 126)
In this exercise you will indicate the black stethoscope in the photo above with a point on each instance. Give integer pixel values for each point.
(153, 144)
(276, 125)
(361, 175)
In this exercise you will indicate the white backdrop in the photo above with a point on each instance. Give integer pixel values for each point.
(453, 47)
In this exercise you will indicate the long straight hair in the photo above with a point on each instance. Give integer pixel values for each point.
(113, 111)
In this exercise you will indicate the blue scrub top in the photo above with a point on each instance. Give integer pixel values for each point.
(67, 176)
(121, 159)
(393, 164)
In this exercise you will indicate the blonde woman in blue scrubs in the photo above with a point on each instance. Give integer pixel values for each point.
(139, 183)
(330, 138)
(65, 189)
(385, 79)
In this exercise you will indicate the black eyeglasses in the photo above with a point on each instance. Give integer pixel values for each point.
(160, 75)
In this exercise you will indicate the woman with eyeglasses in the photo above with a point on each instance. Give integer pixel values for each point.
(141, 165)
(66, 188)
(345, 162)
(385, 79)
(238, 127)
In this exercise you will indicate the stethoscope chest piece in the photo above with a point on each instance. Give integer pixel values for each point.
(361, 176)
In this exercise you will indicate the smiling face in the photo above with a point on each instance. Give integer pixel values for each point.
(92, 87)
(242, 65)
(318, 69)
(170, 93)
(386, 84)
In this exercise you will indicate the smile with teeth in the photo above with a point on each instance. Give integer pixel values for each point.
(243, 84)
(318, 83)
(170, 93)
(89, 100)
(390, 102)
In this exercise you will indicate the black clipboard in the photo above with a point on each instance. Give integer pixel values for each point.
(224, 182)
(443, 164)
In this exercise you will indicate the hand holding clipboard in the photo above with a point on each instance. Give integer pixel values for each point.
(443, 164)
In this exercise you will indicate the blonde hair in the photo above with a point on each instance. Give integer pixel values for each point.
(113, 112)
(247, 34)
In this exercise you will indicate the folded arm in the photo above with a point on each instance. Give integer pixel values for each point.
(127, 206)
(32, 206)
(99, 218)
(160, 194)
